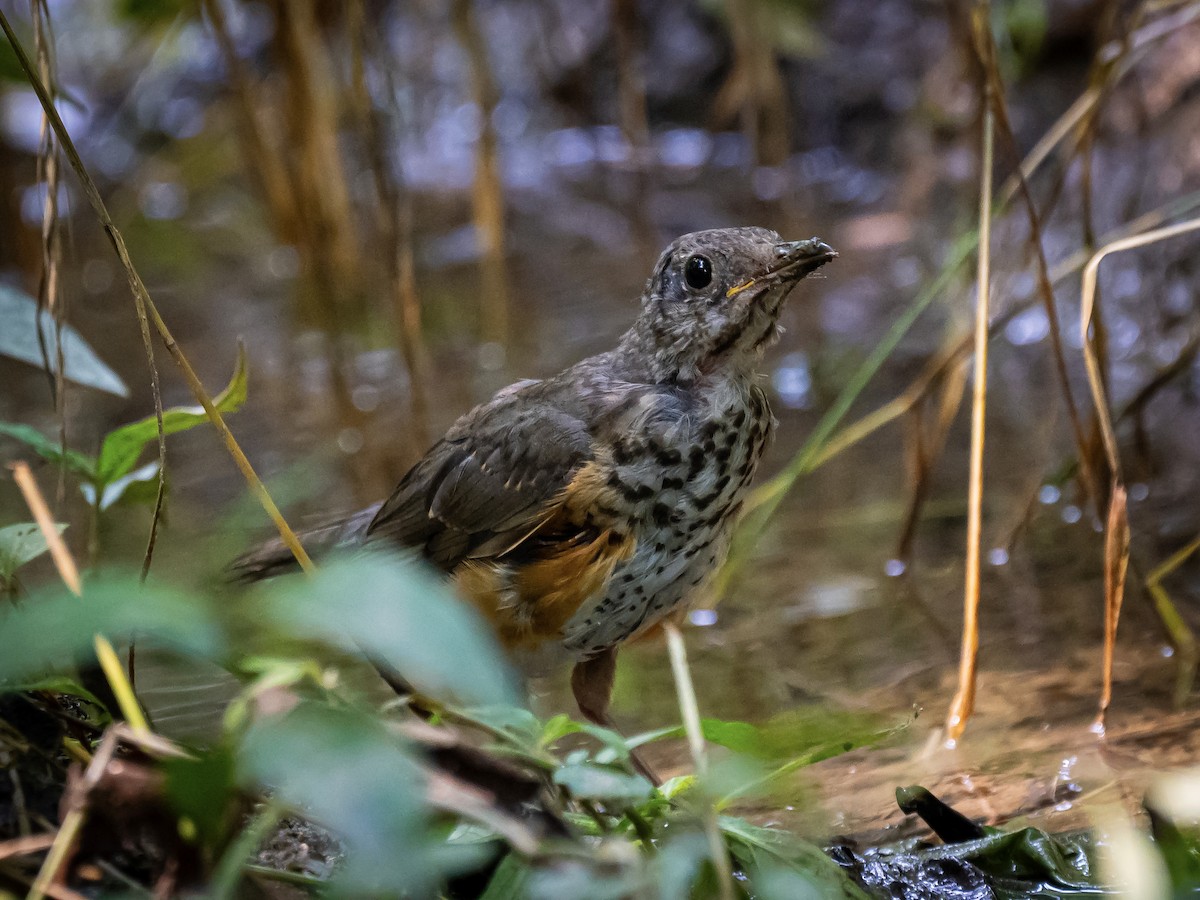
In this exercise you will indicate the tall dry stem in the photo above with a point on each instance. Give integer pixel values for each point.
(963, 703)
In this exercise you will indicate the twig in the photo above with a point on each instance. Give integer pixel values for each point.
(23, 846)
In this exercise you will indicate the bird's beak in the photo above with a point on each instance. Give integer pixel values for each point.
(793, 260)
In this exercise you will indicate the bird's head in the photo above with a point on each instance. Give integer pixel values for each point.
(714, 299)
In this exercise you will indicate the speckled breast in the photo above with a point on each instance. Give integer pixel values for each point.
(683, 490)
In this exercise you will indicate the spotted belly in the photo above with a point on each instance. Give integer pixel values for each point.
(682, 533)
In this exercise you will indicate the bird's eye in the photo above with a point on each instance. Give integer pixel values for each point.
(698, 272)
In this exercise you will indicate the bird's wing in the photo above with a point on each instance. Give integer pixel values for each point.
(498, 474)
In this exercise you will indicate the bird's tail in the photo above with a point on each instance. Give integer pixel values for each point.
(274, 558)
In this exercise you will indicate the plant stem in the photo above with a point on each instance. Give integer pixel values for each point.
(689, 709)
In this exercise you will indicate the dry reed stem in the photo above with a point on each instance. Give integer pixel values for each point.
(963, 703)
(986, 50)
(1122, 55)
(689, 709)
(23, 846)
(146, 310)
(1116, 566)
(487, 195)
(64, 562)
(68, 831)
(48, 174)
(1087, 306)
(929, 441)
(394, 211)
(1117, 537)
(267, 171)
(631, 84)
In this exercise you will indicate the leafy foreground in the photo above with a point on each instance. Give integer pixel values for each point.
(475, 798)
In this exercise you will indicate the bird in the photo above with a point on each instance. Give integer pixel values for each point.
(582, 510)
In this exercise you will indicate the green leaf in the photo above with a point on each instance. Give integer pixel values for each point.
(591, 782)
(139, 486)
(403, 616)
(19, 544)
(758, 850)
(123, 446)
(61, 684)
(1029, 855)
(48, 449)
(347, 772)
(557, 728)
(516, 722)
(19, 339)
(54, 627)
(510, 880)
(677, 865)
(202, 791)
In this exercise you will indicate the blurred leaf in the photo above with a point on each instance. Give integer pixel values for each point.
(61, 684)
(54, 627)
(586, 781)
(518, 723)
(557, 728)
(346, 771)
(19, 544)
(1180, 851)
(760, 849)
(49, 450)
(510, 880)
(572, 879)
(802, 729)
(678, 864)
(403, 616)
(19, 339)
(123, 446)
(202, 791)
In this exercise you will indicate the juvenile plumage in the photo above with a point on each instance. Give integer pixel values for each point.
(581, 510)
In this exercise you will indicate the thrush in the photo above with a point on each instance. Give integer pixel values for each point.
(581, 510)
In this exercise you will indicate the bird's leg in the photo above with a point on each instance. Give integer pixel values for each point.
(592, 684)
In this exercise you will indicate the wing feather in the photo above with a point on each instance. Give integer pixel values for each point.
(500, 471)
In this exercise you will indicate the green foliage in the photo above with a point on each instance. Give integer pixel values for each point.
(20, 544)
(123, 446)
(809, 872)
(112, 476)
(403, 617)
(19, 339)
(345, 769)
(54, 627)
